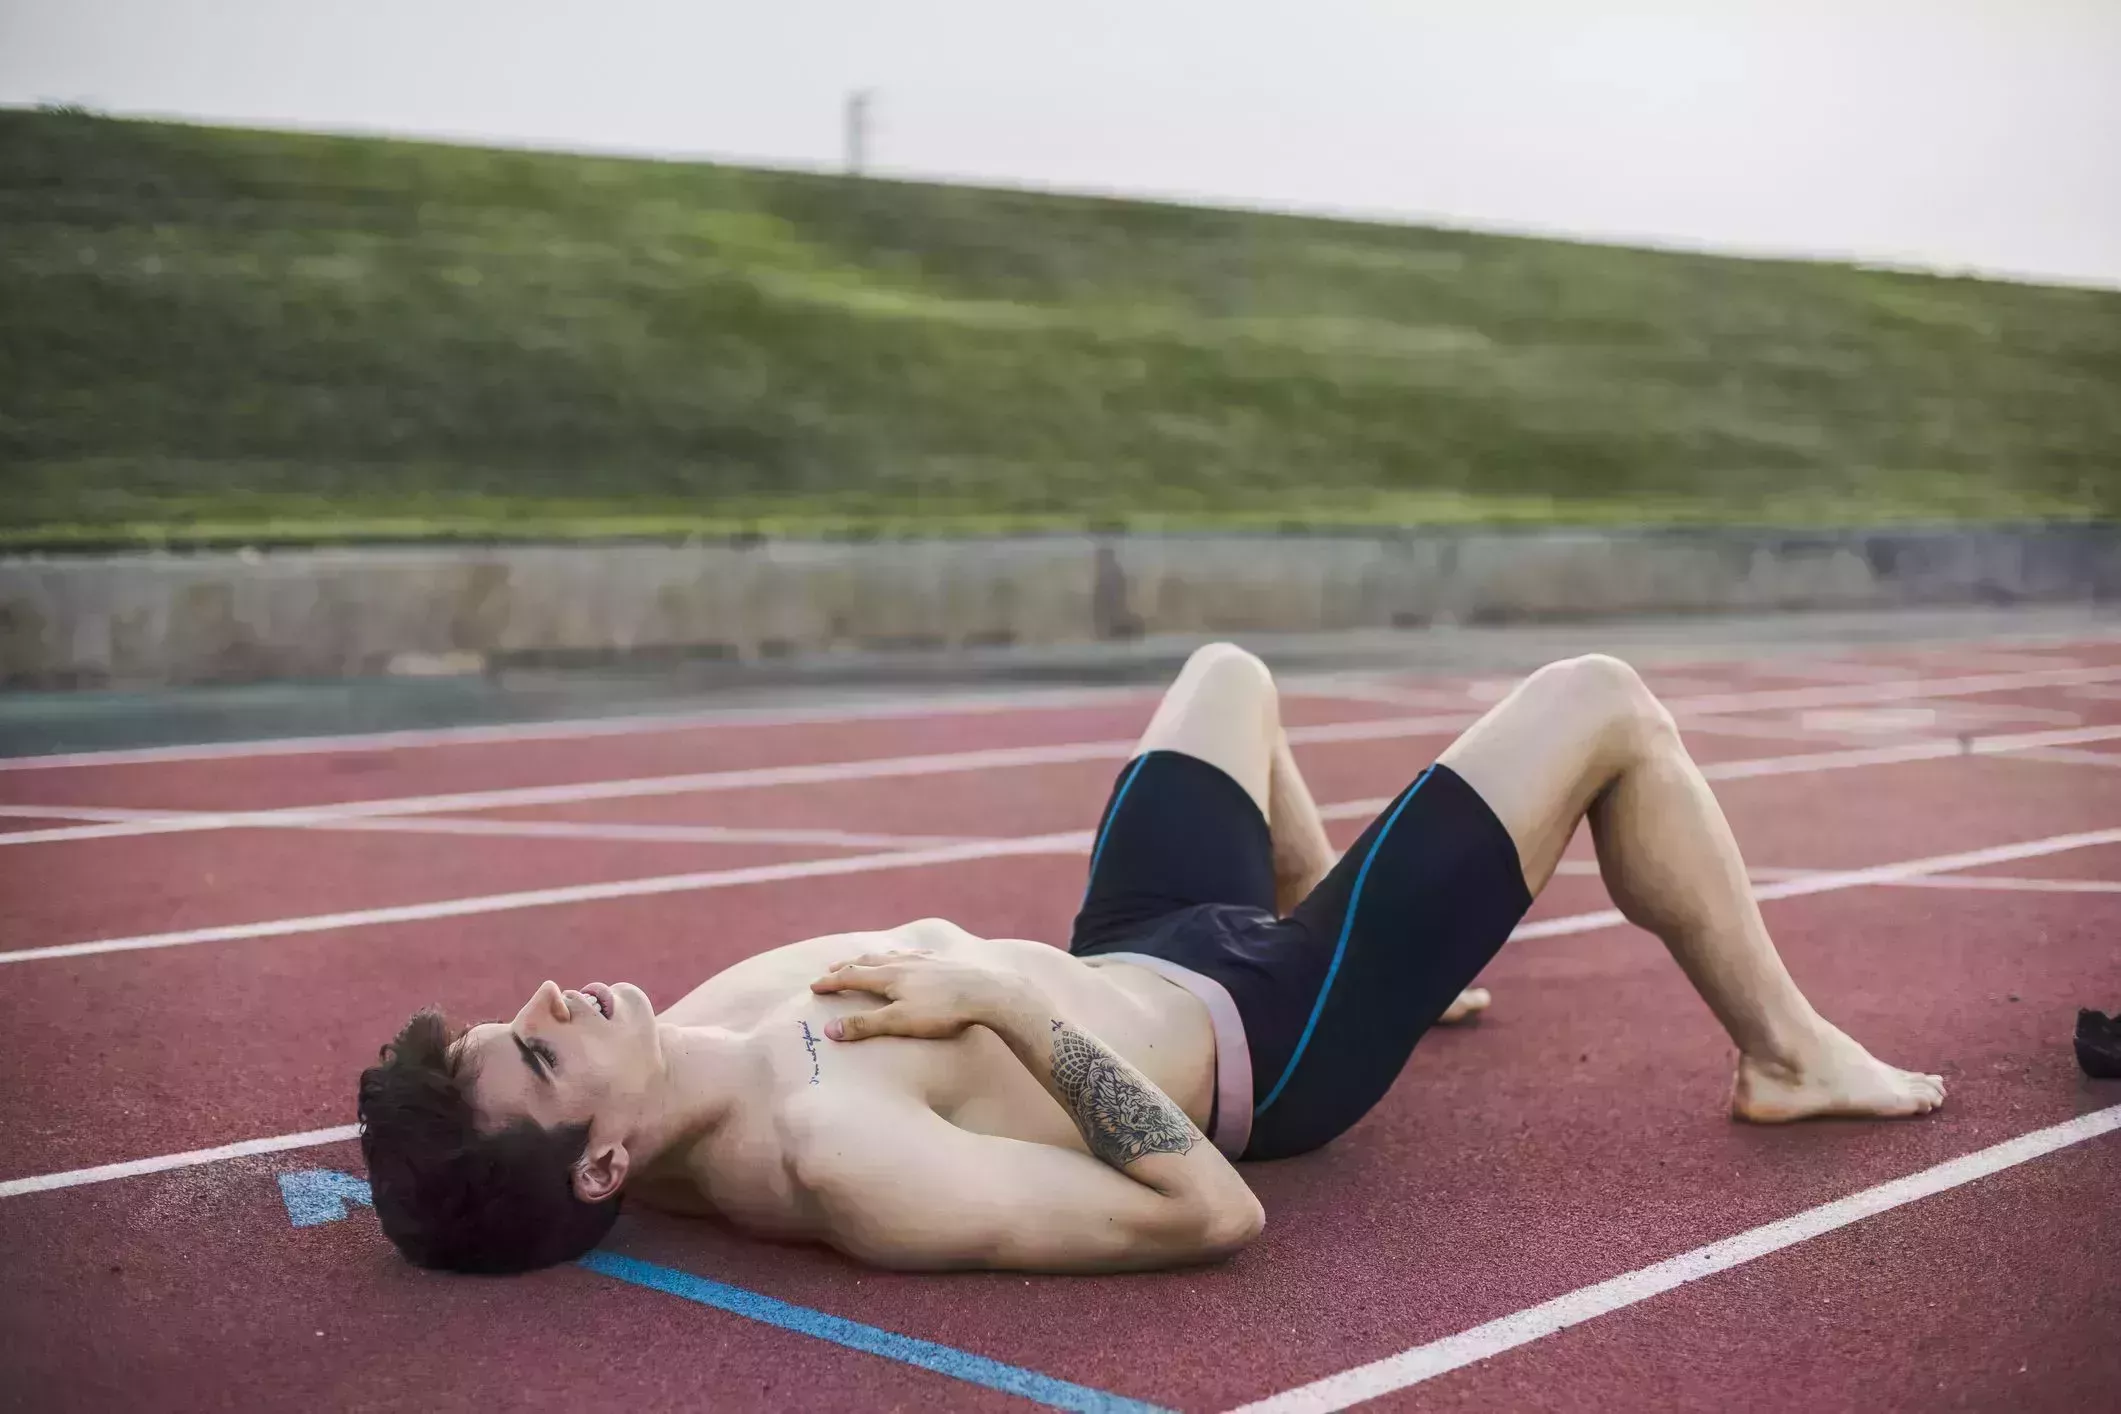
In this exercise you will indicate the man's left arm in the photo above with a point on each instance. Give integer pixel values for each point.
(1138, 1133)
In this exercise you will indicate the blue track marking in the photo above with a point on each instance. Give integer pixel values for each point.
(317, 1196)
(873, 1340)
(1347, 926)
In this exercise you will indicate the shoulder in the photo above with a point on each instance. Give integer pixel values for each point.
(934, 932)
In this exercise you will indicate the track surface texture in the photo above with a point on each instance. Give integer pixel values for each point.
(1550, 1211)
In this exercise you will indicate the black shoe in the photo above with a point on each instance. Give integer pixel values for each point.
(2099, 1044)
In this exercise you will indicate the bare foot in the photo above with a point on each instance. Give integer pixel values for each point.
(1838, 1078)
(1471, 1002)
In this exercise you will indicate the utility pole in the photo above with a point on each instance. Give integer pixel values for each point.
(857, 131)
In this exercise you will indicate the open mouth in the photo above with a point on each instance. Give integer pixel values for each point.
(600, 996)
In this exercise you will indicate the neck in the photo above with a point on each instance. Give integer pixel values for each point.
(697, 1092)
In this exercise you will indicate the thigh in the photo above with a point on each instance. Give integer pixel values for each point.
(1407, 919)
(1222, 709)
(1541, 755)
(1177, 832)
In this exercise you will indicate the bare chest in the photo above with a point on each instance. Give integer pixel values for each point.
(743, 1173)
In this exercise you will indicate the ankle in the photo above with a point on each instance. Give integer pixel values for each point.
(1790, 1048)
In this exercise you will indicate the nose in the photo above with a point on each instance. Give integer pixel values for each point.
(545, 1002)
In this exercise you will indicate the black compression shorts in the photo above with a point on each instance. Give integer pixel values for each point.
(1331, 999)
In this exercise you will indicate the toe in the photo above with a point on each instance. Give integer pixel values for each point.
(1468, 1003)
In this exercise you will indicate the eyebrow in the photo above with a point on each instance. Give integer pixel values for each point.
(530, 1058)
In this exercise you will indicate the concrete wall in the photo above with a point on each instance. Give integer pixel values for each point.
(310, 613)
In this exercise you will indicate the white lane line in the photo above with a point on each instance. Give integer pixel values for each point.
(1832, 670)
(2108, 759)
(1834, 880)
(1996, 883)
(1983, 661)
(1707, 724)
(1003, 758)
(1850, 759)
(2005, 884)
(1858, 693)
(1805, 762)
(298, 817)
(87, 812)
(104, 1173)
(643, 724)
(871, 768)
(152, 825)
(1668, 687)
(117, 822)
(2034, 741)
(646, 834)
(535, 829)
(1065, 842)
(1070, 842)
(1982, 714)
(813, 773)
(579, 728)
(1484, 1342)
(648, 723)
(1796, 764)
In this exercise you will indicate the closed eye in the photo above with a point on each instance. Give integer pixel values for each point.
(537, 1055)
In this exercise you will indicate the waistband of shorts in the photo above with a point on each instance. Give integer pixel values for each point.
(1231, 1129)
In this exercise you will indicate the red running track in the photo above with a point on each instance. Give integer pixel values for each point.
(1572, 1135)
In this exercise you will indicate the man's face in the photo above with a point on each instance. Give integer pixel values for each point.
(588, 1057)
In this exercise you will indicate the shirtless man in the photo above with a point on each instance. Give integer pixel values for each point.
(922, 1098)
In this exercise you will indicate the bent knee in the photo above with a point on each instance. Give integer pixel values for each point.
(1609, 689)
(1225, 667)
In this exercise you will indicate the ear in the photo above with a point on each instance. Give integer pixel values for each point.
(599, 1172)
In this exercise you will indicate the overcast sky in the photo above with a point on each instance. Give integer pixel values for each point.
(1980, 134)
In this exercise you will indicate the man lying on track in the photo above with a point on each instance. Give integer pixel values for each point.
(923, 1098)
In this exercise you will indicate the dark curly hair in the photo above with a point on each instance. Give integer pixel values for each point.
(452, 1197)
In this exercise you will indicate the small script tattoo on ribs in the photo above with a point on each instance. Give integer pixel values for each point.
(1121, 1115)
(810, 1045)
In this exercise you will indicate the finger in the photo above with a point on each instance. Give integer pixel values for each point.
(861, 1024)
(847, 977)
(880, 959)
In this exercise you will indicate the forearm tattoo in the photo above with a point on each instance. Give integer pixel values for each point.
(1121, 1115)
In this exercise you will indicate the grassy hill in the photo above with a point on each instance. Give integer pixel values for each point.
(252, 335)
